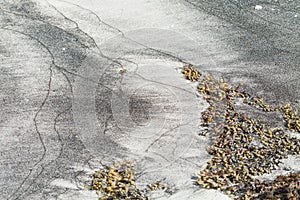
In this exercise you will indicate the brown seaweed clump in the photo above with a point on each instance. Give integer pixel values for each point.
(282, 188)
(117, 182)
(243, 147)
(291, 117)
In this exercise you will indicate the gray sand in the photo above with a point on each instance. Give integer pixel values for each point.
(66, 109)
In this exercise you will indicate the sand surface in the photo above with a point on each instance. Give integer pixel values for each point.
(66, 108)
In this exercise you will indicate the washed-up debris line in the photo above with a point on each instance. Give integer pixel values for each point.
(243, 147)
(117, 182)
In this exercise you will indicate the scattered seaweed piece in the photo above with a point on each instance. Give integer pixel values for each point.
(190, 73)
(157, 186)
